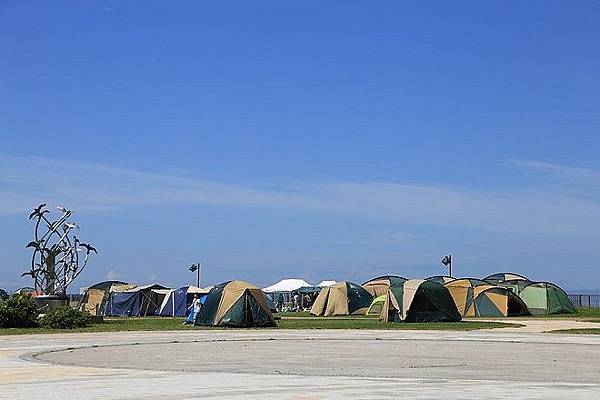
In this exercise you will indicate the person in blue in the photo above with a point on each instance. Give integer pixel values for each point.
(194, 308)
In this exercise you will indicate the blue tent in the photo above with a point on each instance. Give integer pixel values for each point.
(178, 301)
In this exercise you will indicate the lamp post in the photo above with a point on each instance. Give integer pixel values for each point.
(447, 261)
(196, 268)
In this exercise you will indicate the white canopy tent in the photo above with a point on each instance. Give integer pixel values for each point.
(286, 285)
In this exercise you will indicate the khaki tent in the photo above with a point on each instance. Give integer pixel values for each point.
(476, 298)
(544, 298)
(441, 279)
(379, 286)
(462, 292)
(95, 297)
(235, 304)
(418, 301)
(342, 298)
(495, 279)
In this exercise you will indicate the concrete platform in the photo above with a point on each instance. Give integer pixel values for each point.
(310, 364)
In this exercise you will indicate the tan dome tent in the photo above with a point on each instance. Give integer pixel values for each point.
(441, 279)
(342, 298)
(495, 279)
(544, 298)
(418, 301)
(379, 286)
(236, 304)
(496, 301)
(462, 292)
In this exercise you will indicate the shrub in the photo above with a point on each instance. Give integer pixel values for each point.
(18, 312)
(65, 317)
(3, 295)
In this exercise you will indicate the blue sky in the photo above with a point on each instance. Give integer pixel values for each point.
(324, 141)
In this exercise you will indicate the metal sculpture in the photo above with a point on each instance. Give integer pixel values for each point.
(55, 262)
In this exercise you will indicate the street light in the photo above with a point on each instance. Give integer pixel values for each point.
(196, 268)
(447, 261)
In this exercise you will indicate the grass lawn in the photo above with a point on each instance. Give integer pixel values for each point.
(303, 322)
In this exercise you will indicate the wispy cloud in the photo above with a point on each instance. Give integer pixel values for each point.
(97, 187)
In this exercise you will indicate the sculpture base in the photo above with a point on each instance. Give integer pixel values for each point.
(46, 302)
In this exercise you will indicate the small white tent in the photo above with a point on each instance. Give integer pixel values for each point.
(286, 285)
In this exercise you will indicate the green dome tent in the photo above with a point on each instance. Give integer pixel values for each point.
(418, 301)
(342, 298)
(379, 286)
(235, 304)
(545, 298)
(516, 285)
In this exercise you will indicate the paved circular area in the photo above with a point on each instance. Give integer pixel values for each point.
(374, 357)
(293, 364)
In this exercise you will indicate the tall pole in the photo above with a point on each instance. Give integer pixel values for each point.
(198, 276)
(450, 266)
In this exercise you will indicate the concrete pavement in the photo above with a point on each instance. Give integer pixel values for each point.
(307, 364)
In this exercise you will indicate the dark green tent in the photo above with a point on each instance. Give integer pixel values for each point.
(419, 301)
(235, 304)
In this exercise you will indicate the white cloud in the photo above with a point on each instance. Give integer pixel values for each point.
(86, 186)
(113, 276)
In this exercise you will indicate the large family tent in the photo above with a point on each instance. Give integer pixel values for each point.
(343, 298)
(236, 304)
(376, 305)
(379, 286)
(95, 297)
(177, 302)
(139, 301)
(495, 279)
(476, 298)
(418, 301)
(544, 298)
(441, 279)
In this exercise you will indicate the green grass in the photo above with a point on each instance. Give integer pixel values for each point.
(581, 331)
(583, 313)
(305, 322)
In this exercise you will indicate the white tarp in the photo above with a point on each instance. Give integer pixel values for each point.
(287, 285)
(326, 283)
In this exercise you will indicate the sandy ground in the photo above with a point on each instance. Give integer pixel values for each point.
(304, 364)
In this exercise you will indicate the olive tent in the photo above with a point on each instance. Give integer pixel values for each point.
(418, 300)
(376, 305)
(342, 298)
(516, 285)
(441, 279)
(495, 279)
(544, 298)
(379, 286)
(476, 298)
(95, 297)
(235, 304)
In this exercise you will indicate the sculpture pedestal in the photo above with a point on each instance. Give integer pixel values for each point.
(46, 302)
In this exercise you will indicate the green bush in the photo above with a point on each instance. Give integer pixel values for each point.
(18, 312)
(3, 295)
(65, 317)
